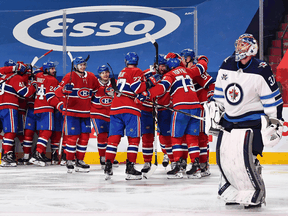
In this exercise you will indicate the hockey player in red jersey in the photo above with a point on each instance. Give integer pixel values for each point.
(12, 86)
(44, 104)
(178, 82)
(204, 87)
(78, 85)
(125, 115)
(100, 112)
(164, 118)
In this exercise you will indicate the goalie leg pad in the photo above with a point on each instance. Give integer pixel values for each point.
(243, 184)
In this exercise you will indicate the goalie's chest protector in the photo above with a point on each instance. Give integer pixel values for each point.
(241, 88)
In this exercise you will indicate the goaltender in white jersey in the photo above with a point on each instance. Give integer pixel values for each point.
(247, 92)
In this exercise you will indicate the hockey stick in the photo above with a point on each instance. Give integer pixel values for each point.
(66, 106)
(31, 65)
(34, 61)
(114, 86)
(155, 165)
(153, 41)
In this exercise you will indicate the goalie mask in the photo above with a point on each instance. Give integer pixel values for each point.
(245, 45)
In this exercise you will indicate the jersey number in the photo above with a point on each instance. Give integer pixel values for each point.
(2, 86)
(40, 92)
(182, 79)
(122, 83)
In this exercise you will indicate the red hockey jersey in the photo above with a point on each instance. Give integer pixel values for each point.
(101, 103)
(12, 89)
(45, 99)
(131, 82)
(180, 86)
(203, 84)
(79, 101)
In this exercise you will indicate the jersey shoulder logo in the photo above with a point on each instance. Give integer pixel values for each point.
(234, 94)
(262, 64)
(224, 76)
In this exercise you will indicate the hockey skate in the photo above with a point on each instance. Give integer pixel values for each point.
(63, 159)
(108, 170)
(70, 166)
(205, 170)
(24, 160)
(146, 168)
(46, 159)
(38, 159)
(183, 165)
(115, 163)
(195, 171)
(175, 172)
(132, 173)
(81, 166)
(102, 162)
(54, 158)
(165, 161)
(8, 160)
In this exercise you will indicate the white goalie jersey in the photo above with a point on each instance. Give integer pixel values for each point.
(247, 93)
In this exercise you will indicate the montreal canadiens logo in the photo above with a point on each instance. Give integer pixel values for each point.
(83, 93)
(234, 94)
(101, 24)
(106, 101)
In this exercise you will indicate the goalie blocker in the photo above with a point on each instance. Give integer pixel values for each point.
(243, 183)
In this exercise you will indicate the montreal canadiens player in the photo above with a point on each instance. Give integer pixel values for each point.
(100, 112)
(12, 86)
(204, 87)
(125, 116)
(44, 104)
(177, 81)
(246, 89)
(78, 86)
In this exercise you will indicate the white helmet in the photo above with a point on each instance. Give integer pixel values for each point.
(245, 45)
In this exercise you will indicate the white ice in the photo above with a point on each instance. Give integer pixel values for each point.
(31, 190)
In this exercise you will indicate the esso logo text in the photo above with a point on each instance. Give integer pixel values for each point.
(97, 26)
(83, 93)
(106, 101)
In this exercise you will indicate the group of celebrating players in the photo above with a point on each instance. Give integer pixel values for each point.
(172, 93)
(34, 101)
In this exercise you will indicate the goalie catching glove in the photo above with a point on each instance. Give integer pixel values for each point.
(271, 130)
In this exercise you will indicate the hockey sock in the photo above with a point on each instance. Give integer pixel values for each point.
(28, 141)
(176, 148)
(8, 142)
(44, 136)
(163, 140)
(82, 146)
(102, 139)
(166, 141)
(184, 147)
(193, 147)
(55, 140)
(203, 140)
(70, 141)
(111, 149)
(21, 137)
(147, 146)
(132, 149)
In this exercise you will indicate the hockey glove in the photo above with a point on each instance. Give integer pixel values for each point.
(140, 98)
(34, 83)
(202, 57)
(20, 68)
(109, 91)
(271, 130)
(152, 80)
(67, 89)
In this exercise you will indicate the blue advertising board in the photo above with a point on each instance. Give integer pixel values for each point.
(107, 30)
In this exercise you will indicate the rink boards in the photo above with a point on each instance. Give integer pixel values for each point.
(276, 155)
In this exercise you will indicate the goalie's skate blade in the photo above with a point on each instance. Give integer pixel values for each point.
(150, 172)
(70, 171)
(133, 177)
(178, 175)
(108, 177)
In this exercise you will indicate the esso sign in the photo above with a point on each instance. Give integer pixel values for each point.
(126, 31)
